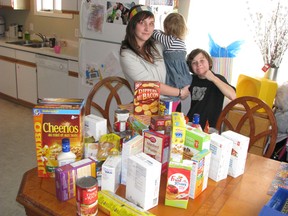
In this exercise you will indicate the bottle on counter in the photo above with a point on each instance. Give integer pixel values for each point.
(27, 36)
(20, 32)
(66, 156)
(196, 121)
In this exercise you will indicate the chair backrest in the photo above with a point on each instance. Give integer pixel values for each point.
(251, 117)
(98, 103)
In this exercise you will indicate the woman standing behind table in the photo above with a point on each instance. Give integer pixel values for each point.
(141, 56)
(207, 89)
(175, 30)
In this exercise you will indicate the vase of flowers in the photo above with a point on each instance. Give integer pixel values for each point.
(270, 32)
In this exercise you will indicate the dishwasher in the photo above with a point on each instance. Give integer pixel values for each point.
(52, 77)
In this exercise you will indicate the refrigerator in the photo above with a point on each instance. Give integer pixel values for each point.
(102, 28)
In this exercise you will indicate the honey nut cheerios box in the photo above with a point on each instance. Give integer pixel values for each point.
(146, 97)
(55, 119)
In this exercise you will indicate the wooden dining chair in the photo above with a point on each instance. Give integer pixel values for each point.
(251, 117)
(106, 95)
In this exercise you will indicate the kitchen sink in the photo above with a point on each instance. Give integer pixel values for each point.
(33, 44)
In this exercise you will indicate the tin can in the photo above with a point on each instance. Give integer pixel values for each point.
(166, 106)
(87, 196)
(120, 120)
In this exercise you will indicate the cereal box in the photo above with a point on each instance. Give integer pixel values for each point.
(220, 148)
(66, 176)
(143, 181)
(199, 173)
(177, 136)
(55, 119)
(195, 141)
(238, 153)
(178, 184)
(129, 148)
(111, 173)
(146, 97)
(156, 145)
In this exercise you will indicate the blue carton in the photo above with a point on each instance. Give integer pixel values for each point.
(277, 205)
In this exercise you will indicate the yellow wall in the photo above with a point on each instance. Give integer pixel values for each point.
(63, 28)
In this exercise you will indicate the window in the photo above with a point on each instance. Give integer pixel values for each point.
(50, 8)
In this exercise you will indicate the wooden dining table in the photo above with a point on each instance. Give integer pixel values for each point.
(244, 195)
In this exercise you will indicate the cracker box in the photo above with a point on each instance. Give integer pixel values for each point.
(195, 141)
(199, 173)
(177, 136)
(146, 97)
(111, 173)
(178, 184)
(238, 153)
(66, 176)
(156, 145)
(161, 124)
(143, 181)
(220, 148)
(129, 148)
(55, 119)
(95, 126)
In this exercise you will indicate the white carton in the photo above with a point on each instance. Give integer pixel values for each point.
(199, 173)
(95, 126)
(143, 181)
(129, 148)
(220, 148)
(111, 173)
(238, 154)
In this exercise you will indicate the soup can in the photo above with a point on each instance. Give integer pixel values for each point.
(87, 196)
(120, 120)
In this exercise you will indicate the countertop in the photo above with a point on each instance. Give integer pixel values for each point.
(70, 52)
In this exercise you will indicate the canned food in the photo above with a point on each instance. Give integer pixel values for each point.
(87, 196)
(120, 121)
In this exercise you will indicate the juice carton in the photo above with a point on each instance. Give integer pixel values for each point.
(129, 148)
(178, 134)
(199, 173)
(238, 153)
(55, 119)
(178, 184)
(111, 173)
(156, 145)
(220, 148)
(195, 141)
(143, 181)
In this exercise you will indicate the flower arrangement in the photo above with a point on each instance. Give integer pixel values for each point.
(270, 28)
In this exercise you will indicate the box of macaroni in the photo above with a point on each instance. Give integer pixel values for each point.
(55, 119)
(146, 98)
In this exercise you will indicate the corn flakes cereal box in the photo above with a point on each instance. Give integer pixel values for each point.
(178, 184)
(55, 119)
(146, 98)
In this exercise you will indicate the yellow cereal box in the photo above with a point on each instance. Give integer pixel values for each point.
(146, 97)
(55, 119)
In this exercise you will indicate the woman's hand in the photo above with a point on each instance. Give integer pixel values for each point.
(185, 92)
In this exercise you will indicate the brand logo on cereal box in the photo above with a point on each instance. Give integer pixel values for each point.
(180, 181)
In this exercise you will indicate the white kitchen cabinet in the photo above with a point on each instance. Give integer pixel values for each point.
(70, 6)
(7, 72)
(73, 76)
(26, 72)
(16, 4)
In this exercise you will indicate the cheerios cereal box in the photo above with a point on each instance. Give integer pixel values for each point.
(146, 97)
(55, 119)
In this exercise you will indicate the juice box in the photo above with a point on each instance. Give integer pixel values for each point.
(156, 145)
(220, 148)
(238, 153)
(195, 141)
(178, 134)
(178, 184)
(55, 119)
(199, 173)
